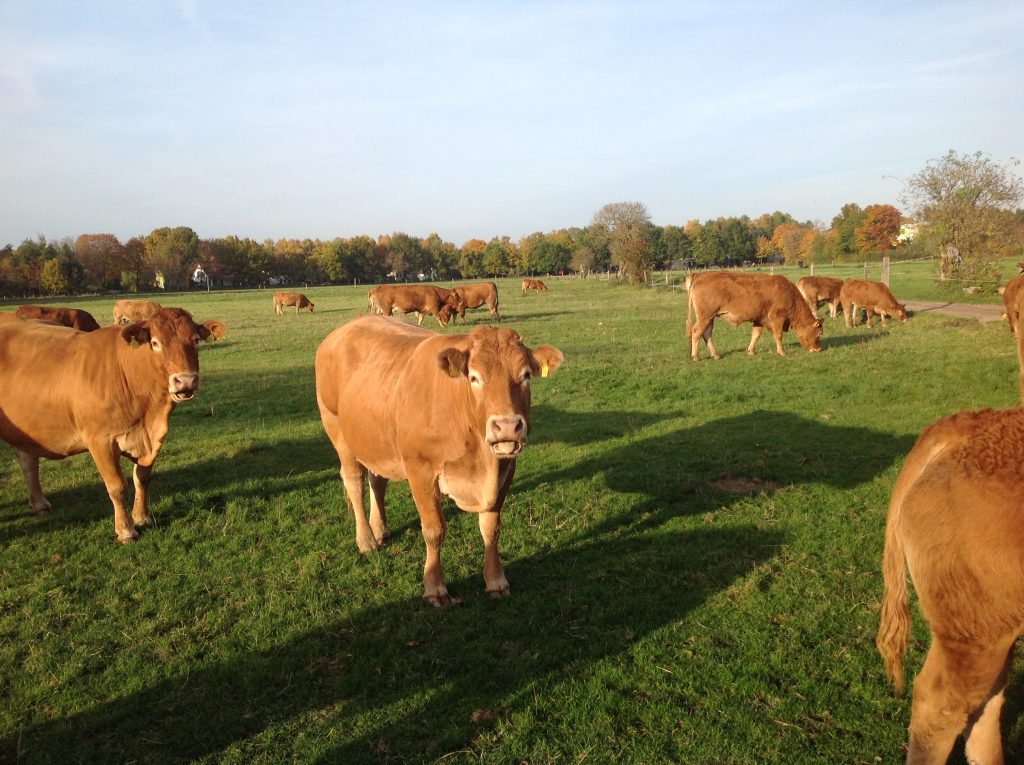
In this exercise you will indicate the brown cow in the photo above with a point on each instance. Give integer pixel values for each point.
(874, 297)
(534, 284)
(421, 299)
(816, 289)
(283, 300)
(1012, 294)
(476, 295)
(108, 392)
(762, 299)
(134, 310)
(447, 413)
(75, 318)
(956, 520)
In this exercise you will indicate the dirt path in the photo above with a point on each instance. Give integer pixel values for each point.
(983, 313)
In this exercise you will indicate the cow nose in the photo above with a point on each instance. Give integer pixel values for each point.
(508, 427)
(184, 381)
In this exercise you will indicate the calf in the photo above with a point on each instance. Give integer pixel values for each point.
(421, 299)
(763, 300)
(874, 297)
(816, 289)
(534, 284)
(956, 520)
(476, 295)
(134, 310)
(109, 392)
(75, 318)
(284, 300)
(447, 413)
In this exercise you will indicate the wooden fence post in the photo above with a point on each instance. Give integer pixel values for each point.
(812, 269)
(865, 270)
(885, 270)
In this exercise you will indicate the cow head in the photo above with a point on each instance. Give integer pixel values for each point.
(809, 335)
(172, 337)
(498, 369)
(310, 306)
(901, 312)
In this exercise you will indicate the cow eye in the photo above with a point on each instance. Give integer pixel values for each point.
(527, 375)
(475, 379)
(154, 344)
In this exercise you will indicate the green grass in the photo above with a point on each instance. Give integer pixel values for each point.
(654, 618)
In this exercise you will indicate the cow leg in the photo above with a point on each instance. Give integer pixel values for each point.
(755, 335)
(352, 476)
(867, 315)
(378, 515)
(833, 308)
(955, 682)
(984, 743)
(698, 333)
(849, 313)
(29, 464)
(419, 319)
(427, 496)
(140, 507)
(108, 461)
(495, 582)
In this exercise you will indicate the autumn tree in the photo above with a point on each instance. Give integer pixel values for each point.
(786, 241)
(52, 279)
(879, 229)
(172, 253)
(963, 206)
(636, 257)
(102, 258)
(471, 258)
(582, 261)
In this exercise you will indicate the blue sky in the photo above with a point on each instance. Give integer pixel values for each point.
(477, 119)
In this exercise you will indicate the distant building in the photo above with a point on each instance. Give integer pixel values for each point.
(907, 233)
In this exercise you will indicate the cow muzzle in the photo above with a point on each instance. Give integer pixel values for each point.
(506, 435)
(183, 386)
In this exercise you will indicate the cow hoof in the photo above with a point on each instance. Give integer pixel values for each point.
(43, 508)
(716, 357)
(443, 599)
(127, 537)
(145, 520)
(500, 592)
(367, 546)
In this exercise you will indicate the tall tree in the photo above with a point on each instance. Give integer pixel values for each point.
(102, 257)
(172, 253)
(878, 231)
(471, 258)
(850, 217)
(962, 204)
(616, 225)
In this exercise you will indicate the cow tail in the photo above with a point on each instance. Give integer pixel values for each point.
(894, 624)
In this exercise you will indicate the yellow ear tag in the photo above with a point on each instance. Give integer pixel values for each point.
(544, 369)
(135, 342)
(453, 370)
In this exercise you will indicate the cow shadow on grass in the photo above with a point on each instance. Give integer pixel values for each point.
(675, 473)
(390, 683)
(838, 341)
(177, 490)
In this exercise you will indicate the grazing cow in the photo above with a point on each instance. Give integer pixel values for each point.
(75, 318)
(476, 295)
(956, 521)
(534, 284)
(762, 299)
(1012, 294)
(108, 392)
(816, 289)
(421, 299)
(874, 297)
(134, 310)
(447, 413)
(283, 300)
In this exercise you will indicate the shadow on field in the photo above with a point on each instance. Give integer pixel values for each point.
(279, 468)
(673, 471)
(393, 683)
(838, 342)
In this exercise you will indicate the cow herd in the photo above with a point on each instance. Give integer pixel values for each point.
(382, 385)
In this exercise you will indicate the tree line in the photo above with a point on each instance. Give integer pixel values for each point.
(963, 206)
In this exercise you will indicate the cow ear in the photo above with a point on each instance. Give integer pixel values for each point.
(136, 334)
(546, 359)
(212, 330)
(820, 323)
(453, 361)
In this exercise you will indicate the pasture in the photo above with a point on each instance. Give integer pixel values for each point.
(693, 551)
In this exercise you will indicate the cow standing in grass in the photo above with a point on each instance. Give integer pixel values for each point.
(284, 300)
(763, 300)
(108, 392)
(873, 297)
(447, 413)
(816, 289)
(956, 521)
(476, 295)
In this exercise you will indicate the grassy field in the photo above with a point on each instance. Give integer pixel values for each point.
(693, 550)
